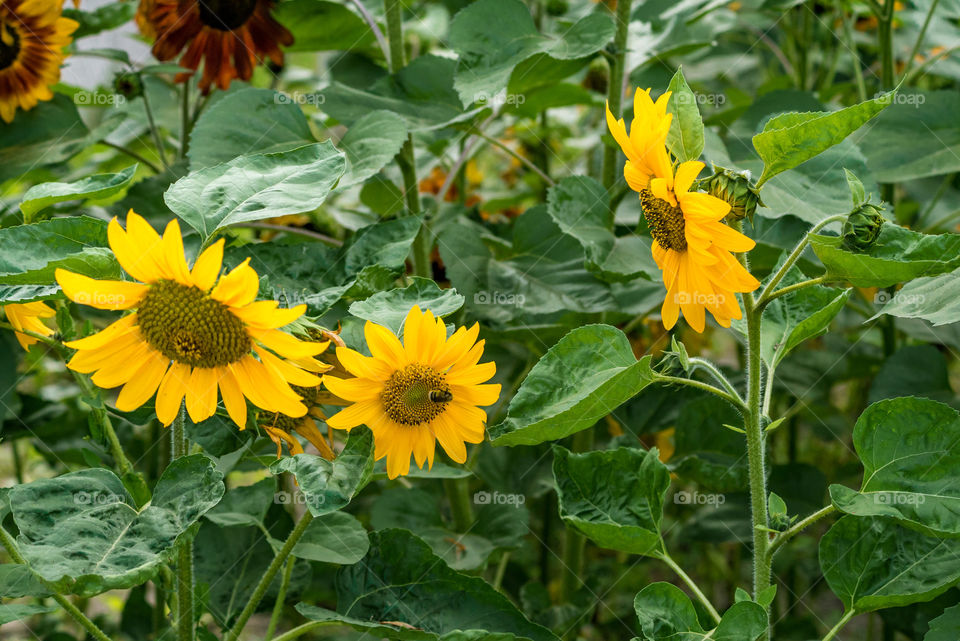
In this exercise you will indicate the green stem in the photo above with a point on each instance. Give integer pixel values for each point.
(783, 291)
(501, 570)
(842, 622)
(795, 256)
(64, 603)
(736, 401)
(717, 375)
(185, 625)
(301, 630)
(697, 592)
(857, 65)
(608, 169)
(281, 596)
(458, 493)
(756, 449)
(185, 119)
(106, 425)
(267, 578)
(133, 154)
(798, 527)
(157, 140)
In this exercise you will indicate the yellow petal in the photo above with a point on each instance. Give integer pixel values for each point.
(284, 344)
(173, 254)
(353, 389)
(202, 393)
(143, 384)
(170, 394)
(384, 344)
(105, 336)
(286, 371)
(359, 413)
(132, 258)
(363, 366)
(207, 267)
(233, 398)
(101, 294)
(239, 287)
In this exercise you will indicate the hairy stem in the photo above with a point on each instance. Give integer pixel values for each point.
(736, 401)
(798, 527)
(608, 170)
(697, 592)
(185, 626)
(793, 257)
(281, 596)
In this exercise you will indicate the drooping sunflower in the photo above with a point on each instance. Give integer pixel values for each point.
(33, 34)
(228, 36)
(193, 332)
(412, 394)
(692, 245)
(27, 316)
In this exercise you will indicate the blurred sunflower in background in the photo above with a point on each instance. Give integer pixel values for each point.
(192, 332)
(27, 316)
(33, 34)
(692, 245)
(230, 37)
(414, 393)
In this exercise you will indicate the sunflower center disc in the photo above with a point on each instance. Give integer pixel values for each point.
(665, 221)
(226, 15)
(407, 397)
(9, 45)
(188, 326)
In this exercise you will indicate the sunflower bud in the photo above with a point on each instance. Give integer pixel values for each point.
(598, 76)
(735, 188)
(557, 7)
(129, 85)
(862, 228)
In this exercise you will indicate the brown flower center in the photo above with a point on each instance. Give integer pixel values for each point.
(9, 45)
(415, 394)
(226, 15)
(187, 326)
(665, 221)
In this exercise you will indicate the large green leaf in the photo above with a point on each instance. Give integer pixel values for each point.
(235, 126)
(328, 486)
(916, 136)
(318, 25)
(899, 255)
(666, 613)
(685, 139)
(910, 449)
(402, 590)
(370, 144)
(615, 497)
(584, 377)
(337, 537)
(579, 206)
(255, 187)
(18, 581)
(793, 138)
(99, 186)
(390, 308)
(48, 134)
(103, 18)
(492, 37)
(31, 253)
(873, 563)
(936, 299)
(945, 627)
(15, 611)
(83, 533)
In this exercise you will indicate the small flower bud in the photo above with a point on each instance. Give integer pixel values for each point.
(128, 84)
(862, 228)
(735, 188)
(598, 76)
(557, 7)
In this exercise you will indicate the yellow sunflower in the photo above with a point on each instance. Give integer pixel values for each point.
(191, 333)
(691, 244)
(33, 34)
(412, 394)
(27, 316)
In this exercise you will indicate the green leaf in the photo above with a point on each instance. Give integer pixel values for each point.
(581, 379)
(244, 505)
(945, 627)
(402, 590)
(666, 613)
(615, 497)
(899, 255)
(31, 253)
(370, 144)
(337, 537)
(10, 612)
(459, 551)
(104, 18)
(857, 193)
(48, 134)
(793, 138)
(913, 370)
(745, 621)
(255, 187)
(317, 25)
(685, 139)
(936, 299)
(492, 37)
(100, 186)
(911, 459)
(328, 486)
(234, 126)
(579, 206)
(81, 531)
(19, 581)
(917, 136)
(873, 563)
(390, 308)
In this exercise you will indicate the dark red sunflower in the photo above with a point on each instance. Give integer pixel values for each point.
(228, 36)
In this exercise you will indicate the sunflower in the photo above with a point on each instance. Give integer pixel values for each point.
(229, 36)
(691, 244)
(27, 316)
(191, 333)
(411, 394)
(33, 34)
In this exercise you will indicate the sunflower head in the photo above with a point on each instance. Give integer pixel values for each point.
(33, 34)
(27, 316)
(414, 393)
(191, 334)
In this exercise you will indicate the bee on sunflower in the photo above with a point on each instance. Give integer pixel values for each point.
(33, 34)
(26, 316)
(192, 332)
(412, 394)
(230, 37)
(692, 245)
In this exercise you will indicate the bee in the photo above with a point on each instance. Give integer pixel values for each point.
(440, 396)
